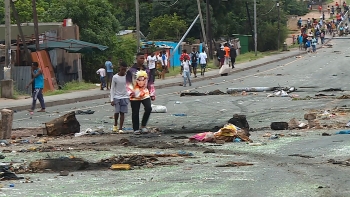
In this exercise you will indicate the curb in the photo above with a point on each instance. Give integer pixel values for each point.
(106, 95)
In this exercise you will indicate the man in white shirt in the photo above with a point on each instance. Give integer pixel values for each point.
(203, 58)
(102, 73)
(119, 97)
(151, 61)
(186, 71)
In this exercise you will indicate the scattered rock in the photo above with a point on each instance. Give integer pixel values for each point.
(310, 116)
(209, 151)
(64, 173)
(326, 134)
(279, 125)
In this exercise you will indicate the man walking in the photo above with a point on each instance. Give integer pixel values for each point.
(151, 62)
(203, 59)
(119, 97)
(140, 88)
(109, 69)
(233, 55)
(38, 79)
(194, 61)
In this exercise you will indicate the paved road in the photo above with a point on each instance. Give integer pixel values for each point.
(274, 173)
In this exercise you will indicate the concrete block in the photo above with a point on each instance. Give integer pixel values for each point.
(6, 123)
(7, 88)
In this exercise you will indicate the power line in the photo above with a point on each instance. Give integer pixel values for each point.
(168, 6)
(269, 11)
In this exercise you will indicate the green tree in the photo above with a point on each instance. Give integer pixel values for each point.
(167, 27)
(97, 24)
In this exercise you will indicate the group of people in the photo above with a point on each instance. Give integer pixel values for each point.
(134, 86)
(189, 64)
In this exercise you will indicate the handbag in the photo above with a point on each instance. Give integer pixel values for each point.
(224, 69)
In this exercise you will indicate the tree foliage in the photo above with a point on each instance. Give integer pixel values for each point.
(167, 27)
(100, 20)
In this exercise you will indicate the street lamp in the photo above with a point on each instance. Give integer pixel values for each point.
(278, 28)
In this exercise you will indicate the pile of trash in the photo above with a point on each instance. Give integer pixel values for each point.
(229, 133)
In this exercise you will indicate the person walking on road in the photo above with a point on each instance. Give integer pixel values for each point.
(203, 59)
(164, 60)
(194, 61)
(102, 73)
(233, 55)
(141, 89)
(186, 71)
(119, 97)
(313, 44)
(151, 62)
(38, 80)
(109, 69)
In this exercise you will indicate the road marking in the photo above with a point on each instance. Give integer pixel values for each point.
(226, 81)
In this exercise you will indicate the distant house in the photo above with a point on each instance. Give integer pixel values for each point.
(166, 45)
(175, 59)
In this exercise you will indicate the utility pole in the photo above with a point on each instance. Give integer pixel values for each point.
(36, 26)
(278, 39)
(209, 30)
(15, 14)
(202, 24)
(7, 33)
(255, 31)
(137, 24)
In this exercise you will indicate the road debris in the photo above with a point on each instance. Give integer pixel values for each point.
(235, 164)
(226, 134)
(279, 125)
(120, 167)
(159, 109)
(196, 93)
(300, 155)
(64, 173)
(66, 124)
(342, 163)
(6, 123)
(84, 112)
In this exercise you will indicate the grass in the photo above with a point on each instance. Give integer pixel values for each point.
(72, 87)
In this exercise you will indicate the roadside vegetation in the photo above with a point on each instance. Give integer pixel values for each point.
(72, 87)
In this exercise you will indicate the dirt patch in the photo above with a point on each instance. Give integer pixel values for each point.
(341, 163)
(300, 155)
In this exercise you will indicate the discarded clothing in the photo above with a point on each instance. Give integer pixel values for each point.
(5, 174)
(228, 133)
(203, 137)
(84, 112)
(343, 132)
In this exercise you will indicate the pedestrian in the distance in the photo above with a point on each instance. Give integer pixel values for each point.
(194, 61)
(186, 71)
(233, 55)
(119, 97)
(151, 62)
(38, 79)
(102, 73)
(109, 69)
(140, 88)
(203, 60)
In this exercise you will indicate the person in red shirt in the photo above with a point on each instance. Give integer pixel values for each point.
(320, 8)
(184, 53)
(338, 17)
(336, 4)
